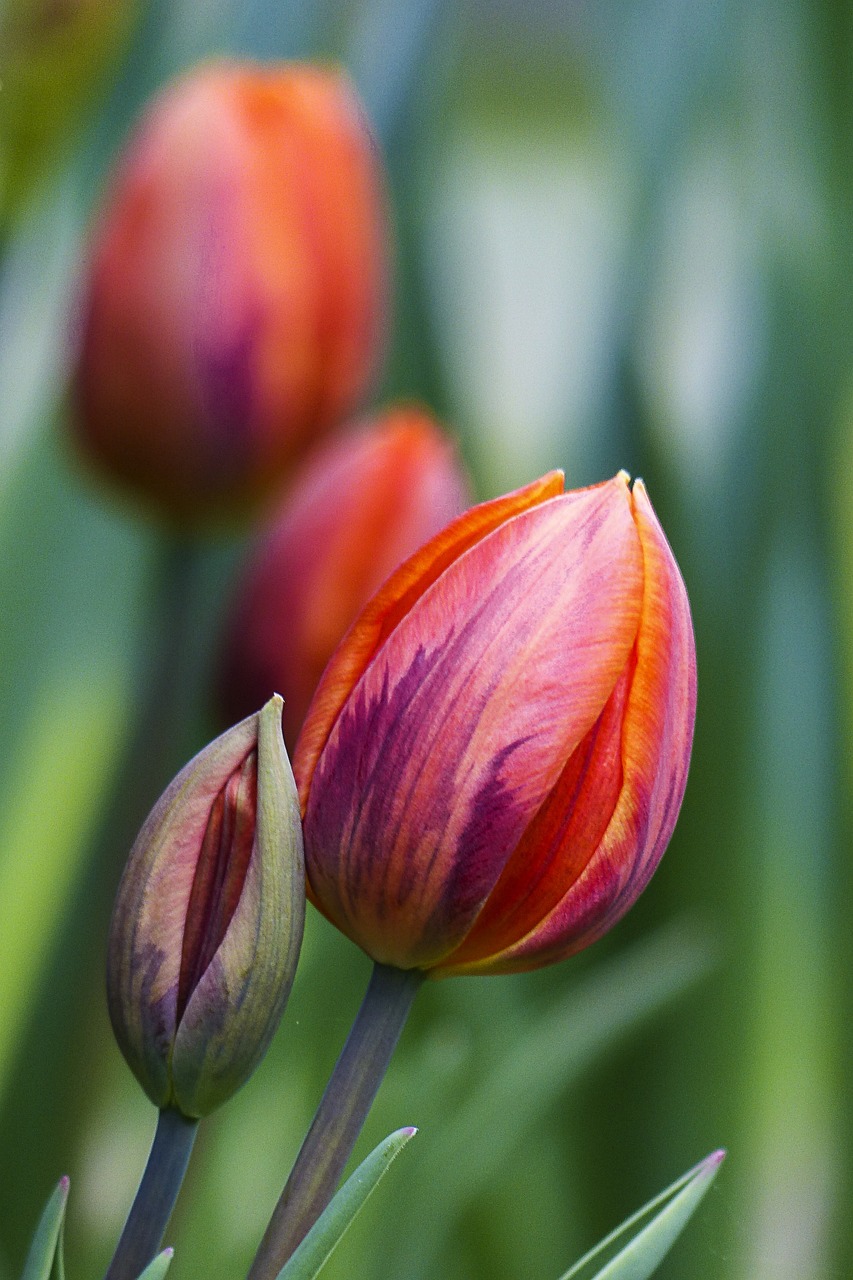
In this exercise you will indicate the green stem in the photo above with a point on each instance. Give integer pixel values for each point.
(342, 1111)
(155, 1199)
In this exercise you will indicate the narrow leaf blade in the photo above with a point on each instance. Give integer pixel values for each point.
(158, 1267)
(45, 1242)
(643, 1254)
(323, 1238)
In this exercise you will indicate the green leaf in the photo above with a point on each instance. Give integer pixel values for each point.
(158, 1267)
(324, 1237)
(46, 1245)
(59, 1259)
(642, 1255)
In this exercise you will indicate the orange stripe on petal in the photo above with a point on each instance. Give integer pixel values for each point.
(390, 605)
(656, 742)
(559, 842)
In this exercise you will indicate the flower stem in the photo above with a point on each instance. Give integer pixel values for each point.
(342, 1111)
(155, 1199)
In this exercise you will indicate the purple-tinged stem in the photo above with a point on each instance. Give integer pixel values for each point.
(343, 1109)
(149, 1215)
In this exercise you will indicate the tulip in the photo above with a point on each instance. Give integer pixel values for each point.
(490, 769)
(208, 921)
(361, 506)
(233, 305)
(496, 755)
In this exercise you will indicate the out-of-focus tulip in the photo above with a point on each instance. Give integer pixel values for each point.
(208, 921)
(495, 757)
(364, 504)
(233, 308)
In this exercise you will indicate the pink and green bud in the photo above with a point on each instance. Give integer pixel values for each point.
(208, 920)
(494, 760)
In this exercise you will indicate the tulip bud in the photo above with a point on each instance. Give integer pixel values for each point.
(495, 757)
(233, 307)
(360, 507)
(208, 921)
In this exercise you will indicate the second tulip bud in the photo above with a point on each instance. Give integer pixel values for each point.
(360, 507)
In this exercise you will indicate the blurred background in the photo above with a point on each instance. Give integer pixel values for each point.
(624, 237)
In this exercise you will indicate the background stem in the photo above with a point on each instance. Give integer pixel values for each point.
(342, 1111)
(149, 1215)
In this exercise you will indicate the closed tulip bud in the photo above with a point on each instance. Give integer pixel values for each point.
(208, 921)
(233, 307)
(364, 504)
(496, 755)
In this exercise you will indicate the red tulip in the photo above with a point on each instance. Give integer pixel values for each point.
(234, 301)
(361, 506)
(496, 755)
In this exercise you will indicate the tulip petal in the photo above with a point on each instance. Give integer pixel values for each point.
(558, 843)
(414, 809)
(147, 931)
(656, 741)
(350, 245)
(390, 605)
(220, 875)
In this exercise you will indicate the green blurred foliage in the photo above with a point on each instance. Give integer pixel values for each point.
(54, 54)
(624, 233)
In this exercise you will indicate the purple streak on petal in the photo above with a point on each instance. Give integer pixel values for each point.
(228, 324)
(351, 831)
(144, 1026)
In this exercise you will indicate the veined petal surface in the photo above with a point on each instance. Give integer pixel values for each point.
(657, 734)
(391, 603)
(464, 719)
(556, 846)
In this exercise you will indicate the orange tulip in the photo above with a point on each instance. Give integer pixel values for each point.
(360, 507)
(233, 306)
(495, 757)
